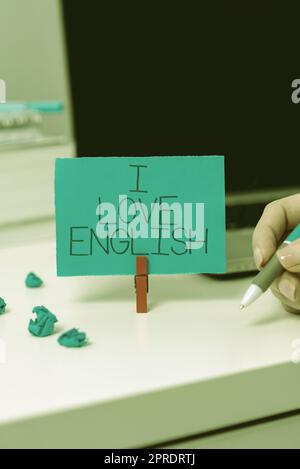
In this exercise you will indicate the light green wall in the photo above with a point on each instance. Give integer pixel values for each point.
(32, 55)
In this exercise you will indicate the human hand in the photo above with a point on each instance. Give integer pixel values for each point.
(278, 218)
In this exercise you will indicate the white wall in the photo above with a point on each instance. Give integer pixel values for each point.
(32, 55)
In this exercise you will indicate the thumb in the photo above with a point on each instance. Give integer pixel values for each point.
(289, 256)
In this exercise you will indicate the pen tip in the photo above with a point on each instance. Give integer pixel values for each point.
(242, 306)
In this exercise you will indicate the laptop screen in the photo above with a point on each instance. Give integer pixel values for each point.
(189, 78)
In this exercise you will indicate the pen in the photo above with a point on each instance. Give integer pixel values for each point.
(267, 275)
(41, 106)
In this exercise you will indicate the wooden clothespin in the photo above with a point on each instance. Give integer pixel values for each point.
(141, 284)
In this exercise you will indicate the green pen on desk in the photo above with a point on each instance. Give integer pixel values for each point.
(268, 274)
(40, 106)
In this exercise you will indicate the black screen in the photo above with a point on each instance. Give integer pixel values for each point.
(186, 78)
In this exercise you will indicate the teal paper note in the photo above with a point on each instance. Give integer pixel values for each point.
(111, 209)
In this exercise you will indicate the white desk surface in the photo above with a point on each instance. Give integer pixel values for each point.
(195, 362)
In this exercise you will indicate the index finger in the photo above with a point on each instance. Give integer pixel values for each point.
(278, 217)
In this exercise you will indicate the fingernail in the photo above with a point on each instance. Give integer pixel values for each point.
(258, 257)
(287, 257)
(287, 289)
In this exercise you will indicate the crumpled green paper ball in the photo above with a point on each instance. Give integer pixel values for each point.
(72, 338)
(43, 325)
(33, 281)
(2, 306)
